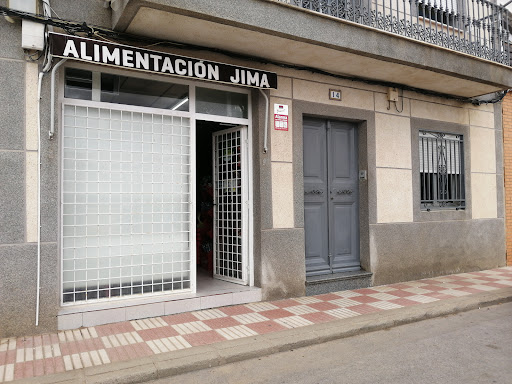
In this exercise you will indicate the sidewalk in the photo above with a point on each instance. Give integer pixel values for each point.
(141, 350)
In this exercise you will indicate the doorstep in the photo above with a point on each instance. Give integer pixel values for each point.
(335, 282)
(210, 295)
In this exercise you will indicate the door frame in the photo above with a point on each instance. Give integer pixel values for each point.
(365, 121)
(194, 116)
(327, 121)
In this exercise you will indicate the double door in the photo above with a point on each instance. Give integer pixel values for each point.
(331, 196)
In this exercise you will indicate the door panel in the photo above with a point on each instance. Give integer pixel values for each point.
(316, 237)
(344, 195)
(345, 251)
(315, 197)
(314, 162)
(230, 201)
(331, 196)
(342, 214)
(340, 151)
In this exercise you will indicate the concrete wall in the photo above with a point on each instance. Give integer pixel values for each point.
(403, 241)
(18, 191)
(91, 11)
(19, 178)
(17, 150)
(280, 270)
(399, 241)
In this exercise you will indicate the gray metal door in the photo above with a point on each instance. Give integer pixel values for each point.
(331, 197)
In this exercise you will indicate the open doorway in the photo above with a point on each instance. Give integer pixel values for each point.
(204, 196)
(221, 201)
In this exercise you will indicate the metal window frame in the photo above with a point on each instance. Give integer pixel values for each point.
(438, 174)
(248, 211)
(244, 202)
(122, 287)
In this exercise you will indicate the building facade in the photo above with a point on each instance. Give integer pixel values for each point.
(507, 165)
(183, 155)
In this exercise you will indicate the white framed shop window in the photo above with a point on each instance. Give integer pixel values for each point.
(128, 182)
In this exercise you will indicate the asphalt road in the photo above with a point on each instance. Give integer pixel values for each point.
(471, 347)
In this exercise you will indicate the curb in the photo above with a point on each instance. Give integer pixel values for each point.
(214, 355)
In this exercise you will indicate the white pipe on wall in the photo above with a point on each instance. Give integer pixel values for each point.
(52, 99)
(46, 8)
(265, 146)
(46, 67)
(39, 84)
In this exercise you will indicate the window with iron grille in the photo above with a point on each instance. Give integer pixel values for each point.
(441, 170)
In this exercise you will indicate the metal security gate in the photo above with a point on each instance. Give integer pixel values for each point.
(230, 205)
(331, 197)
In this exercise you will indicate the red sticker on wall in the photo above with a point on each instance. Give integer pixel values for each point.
(280, 117)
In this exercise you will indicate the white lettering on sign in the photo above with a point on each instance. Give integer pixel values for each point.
(83, 51)
(167, 66)
(127, 58)
(213, 72)
(70, 49)
(280, 117)
(142, 60)
(245, 77)
(156, 61)
(110, 57)
(79, 48)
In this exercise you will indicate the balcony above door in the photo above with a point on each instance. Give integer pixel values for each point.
(303, 33)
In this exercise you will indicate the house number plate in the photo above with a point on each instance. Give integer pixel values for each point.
(335, 94)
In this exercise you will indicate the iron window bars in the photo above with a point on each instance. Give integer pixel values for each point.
(441, 170)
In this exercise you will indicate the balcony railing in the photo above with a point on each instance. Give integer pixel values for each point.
(476, 27)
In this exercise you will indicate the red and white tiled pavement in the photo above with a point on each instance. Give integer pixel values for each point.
(25, 357)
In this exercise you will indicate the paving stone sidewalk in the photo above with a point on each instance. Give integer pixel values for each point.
(33, 356)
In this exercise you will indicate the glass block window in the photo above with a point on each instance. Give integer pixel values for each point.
(125, 209)
(441, 170)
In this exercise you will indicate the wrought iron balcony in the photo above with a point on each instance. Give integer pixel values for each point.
(475, 27)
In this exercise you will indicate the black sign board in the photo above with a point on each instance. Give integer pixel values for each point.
(124, 56)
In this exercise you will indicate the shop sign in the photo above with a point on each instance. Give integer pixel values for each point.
(124, 56)
(280, 117)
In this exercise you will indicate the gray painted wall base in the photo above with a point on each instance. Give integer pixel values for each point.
(316, 285)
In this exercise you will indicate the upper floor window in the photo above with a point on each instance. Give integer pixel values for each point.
(441, 170)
